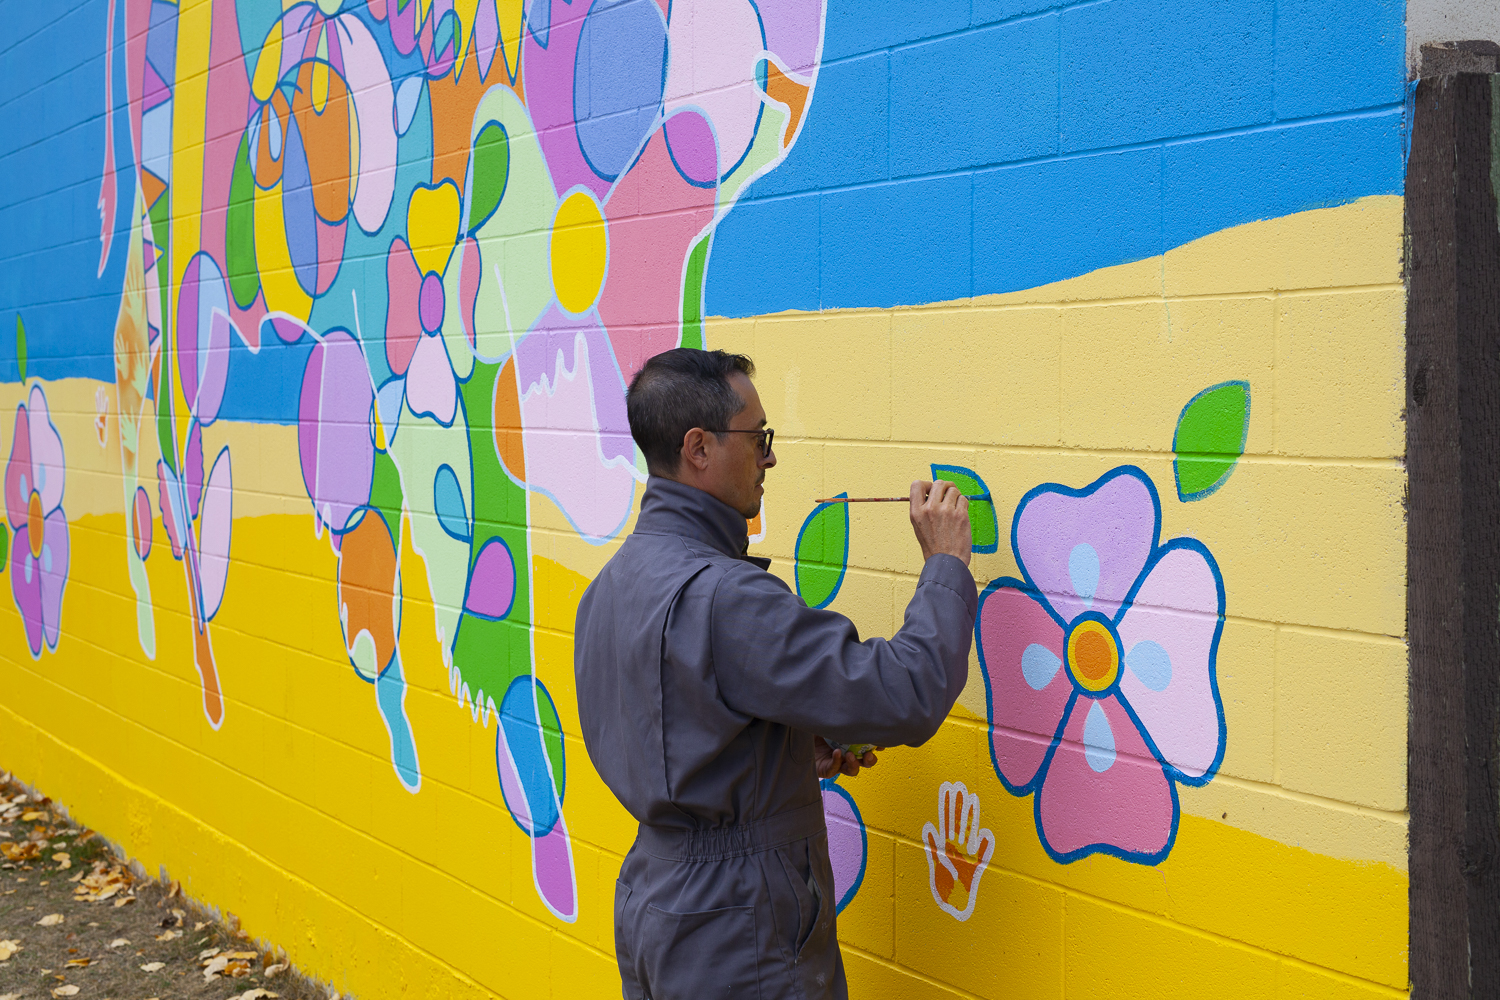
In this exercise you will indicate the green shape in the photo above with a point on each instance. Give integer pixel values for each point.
(21, 346)
(1210, 438)
(489, 655)
(982, 524)
(692, 294)
(385, 493)
(491, 170)
(161, 232)
(823, 553)
(239, 231)
(4, 548)
(164, 434)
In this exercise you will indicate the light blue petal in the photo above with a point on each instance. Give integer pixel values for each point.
(1083, 570)
(1151, 664)
(1039, 665)
(1098, 740)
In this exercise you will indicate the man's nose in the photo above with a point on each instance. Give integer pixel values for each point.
(768, 459)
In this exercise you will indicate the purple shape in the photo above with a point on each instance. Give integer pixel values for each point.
(617, 81)
(536, 360)
(792, 28)
(486, 37)
(693, 148)
(1113, 523)
(492, 583)
(846, 842)
(202, 343)
(297, 206)
(430, 303)
(333, 429)
(26, 588)
(161, 39)
(192, 469)
(549, 98)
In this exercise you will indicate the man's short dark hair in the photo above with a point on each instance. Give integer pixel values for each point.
(676, 391)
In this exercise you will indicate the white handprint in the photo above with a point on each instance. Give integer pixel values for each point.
(958, 853)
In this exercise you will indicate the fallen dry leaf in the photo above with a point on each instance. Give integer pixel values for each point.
(10, 996)
(153, 966)
(124, 901)
(18, 853)
(7, 949)
(168, 935)
(240, 956)
(28, 817)
(199, 925)
(215, 966)
(252, 994)
(78, 963)
(65, 991)
(63, 861)
(50, 920)
(207, 953)
(237, 970)
(119, 942)
(274, 970)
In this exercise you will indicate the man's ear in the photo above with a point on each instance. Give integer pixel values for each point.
(695, 448)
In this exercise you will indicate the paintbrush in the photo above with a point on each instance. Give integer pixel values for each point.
(981, 496)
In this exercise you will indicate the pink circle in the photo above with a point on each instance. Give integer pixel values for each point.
(430, 303)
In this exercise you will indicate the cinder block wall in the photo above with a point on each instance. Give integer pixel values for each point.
(313, 451)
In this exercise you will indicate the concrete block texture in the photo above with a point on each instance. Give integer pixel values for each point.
(317, 327)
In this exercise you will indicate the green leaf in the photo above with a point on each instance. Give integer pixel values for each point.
(986, 530)
(239, 229)
(491, 171)
(1210, 438)
(823, 553)
(21, 346)
(692, 294)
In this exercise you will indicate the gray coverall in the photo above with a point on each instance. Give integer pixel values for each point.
(701, 681)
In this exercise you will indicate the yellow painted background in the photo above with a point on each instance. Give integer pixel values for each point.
(1288, 875)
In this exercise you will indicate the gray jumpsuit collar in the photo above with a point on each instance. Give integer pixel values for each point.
(672, 508)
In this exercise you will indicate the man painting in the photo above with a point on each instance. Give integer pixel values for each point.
(702, 681)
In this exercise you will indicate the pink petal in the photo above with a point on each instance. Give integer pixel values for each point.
(49, 471)
(213, 533)
(1170, 635)
(1023, 718)
(17, 469)
(654, 217)
(471, 270)
(370, 83)
(552, 868)
(403, 324)
(1084, 549)
(429, 382)
(1114, 800)
(54, 574)
(26, 587)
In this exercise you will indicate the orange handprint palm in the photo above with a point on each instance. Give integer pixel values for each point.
(958, 851)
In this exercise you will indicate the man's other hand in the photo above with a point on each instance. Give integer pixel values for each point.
(833, 761)
(940, 519)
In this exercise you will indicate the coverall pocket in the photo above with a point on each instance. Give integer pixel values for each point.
(809, 897)
(623, 953)
(688, 956)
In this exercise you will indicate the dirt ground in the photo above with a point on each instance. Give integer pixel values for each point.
(75, 921)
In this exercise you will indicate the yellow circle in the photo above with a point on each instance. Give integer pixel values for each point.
(1093, 656)
(580, 249)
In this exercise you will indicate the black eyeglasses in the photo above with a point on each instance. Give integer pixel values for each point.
(764, 437)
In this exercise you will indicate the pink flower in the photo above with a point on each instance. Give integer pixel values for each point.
(34, 479)
(1100, 668)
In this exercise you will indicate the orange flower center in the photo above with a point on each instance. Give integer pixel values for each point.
(34, 524)
(1093, 655)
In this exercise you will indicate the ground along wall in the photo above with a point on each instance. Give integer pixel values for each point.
(315, 409)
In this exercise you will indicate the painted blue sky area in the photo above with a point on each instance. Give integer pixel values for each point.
(51, 164)
(969, 147)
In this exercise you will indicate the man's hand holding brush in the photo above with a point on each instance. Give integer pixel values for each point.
(940, 518)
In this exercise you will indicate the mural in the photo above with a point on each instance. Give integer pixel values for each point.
(480, 221)
(348, 292)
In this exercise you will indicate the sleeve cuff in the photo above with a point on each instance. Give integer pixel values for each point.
(950, 572)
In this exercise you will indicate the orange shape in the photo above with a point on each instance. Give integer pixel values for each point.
(784, 90)
(368, 583)
(507, 412)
